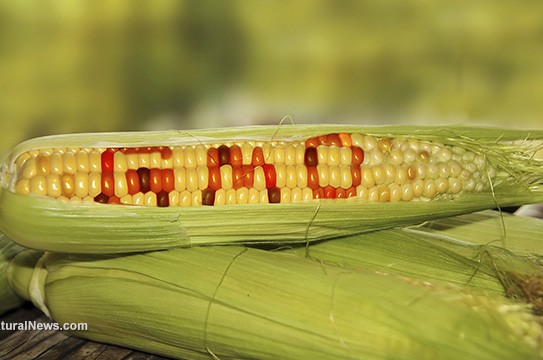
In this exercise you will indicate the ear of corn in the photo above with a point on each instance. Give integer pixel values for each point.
(379, 177)
(464, 250)
(522, 235)
(232, 302)
(8, 299)
(420, 257)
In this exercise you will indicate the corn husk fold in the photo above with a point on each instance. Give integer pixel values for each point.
(487, 251)
(519, 234)
(53, 225)
(8, 298)
(234, 302)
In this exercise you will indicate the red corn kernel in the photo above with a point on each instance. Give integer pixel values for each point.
(322, 139)
(214, 178)
(130, 151)
(166, 152)
(329, 192)
(101, 198)
(237, 176)
(114, 200)
(162, 199)
(351, 192)
(356, 175)
(224, 155)
(107, 160)
(155, 177)
(108, 184)
(145, 179)
(208, 196)
(312, 177)
(332, 140)
(212, 157)
(346, 139)
(236, 156)
(341, 193)
(258, 157)
(168, 180)
(132, 181)
(312, 142)
(311, 157)
(274, 195)
(358, 155)
(318, 193)
(270, 175)
(248, 173)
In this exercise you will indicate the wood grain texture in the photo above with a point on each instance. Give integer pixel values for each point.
(52, 345)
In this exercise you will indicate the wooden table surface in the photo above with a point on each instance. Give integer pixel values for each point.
(52, 345)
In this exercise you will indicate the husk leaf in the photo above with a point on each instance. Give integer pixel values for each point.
(8, 298)
(467, 251)
(233, 302)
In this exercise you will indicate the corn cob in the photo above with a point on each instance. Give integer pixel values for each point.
(421, 257)
(8, 299)
(521, 235)
(464, 251)
(234, 302)
(74, 193)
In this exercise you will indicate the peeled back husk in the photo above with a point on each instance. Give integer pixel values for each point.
(60, 226)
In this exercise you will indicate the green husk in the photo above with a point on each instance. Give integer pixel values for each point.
(233, 302)
(53, 225)
(420, 257)
(88, 228)
(465, 251)
(8, 299)
(522, 235)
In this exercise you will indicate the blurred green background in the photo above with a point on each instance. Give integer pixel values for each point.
(97, 65)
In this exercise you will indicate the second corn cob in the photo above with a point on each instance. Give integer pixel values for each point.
(485, 251)
(234, 302)
(8, 299)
